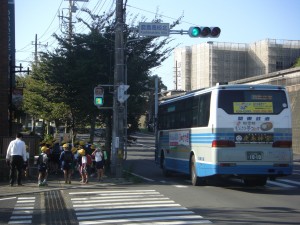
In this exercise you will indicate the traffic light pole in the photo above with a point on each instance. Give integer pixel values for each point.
(118, 108)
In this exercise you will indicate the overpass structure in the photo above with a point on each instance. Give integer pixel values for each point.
(290, 78)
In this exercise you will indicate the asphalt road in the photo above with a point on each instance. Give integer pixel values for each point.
(150, 198)
(221, 201)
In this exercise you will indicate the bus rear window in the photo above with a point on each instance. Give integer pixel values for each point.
(252, 101)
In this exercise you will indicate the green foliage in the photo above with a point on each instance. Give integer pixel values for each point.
(60, 87)
(297, 64)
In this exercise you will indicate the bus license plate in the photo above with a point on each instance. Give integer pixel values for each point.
(254, 155)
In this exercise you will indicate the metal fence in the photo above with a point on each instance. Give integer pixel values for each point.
(31, 141)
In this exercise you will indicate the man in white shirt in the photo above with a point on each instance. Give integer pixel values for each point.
(15, 157)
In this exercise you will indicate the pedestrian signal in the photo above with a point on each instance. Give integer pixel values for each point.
(98, 96)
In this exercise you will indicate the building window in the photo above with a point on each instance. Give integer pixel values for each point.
(279, 65)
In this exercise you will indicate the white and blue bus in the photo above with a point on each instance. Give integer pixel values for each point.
(227, 130)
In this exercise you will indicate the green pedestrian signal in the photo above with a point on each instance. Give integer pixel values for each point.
(99, 101)
(98, 96)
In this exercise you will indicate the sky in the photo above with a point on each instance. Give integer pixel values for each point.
(241, 21)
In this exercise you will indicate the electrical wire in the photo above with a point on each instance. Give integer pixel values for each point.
(159, 14)
(52, 20)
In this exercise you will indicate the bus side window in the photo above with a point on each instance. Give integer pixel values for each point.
(204, 110)
(201, 107)
(195, 111)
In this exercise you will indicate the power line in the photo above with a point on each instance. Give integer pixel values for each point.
(52, 20)
(155, 13)
(29, 44)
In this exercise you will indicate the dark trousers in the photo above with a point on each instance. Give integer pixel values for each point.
(16, 163)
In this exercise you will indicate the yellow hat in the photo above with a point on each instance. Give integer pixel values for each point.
(66, 145)
(93, 147)
(44, 148)
(81, 152)
(81, 143)
(73, 149)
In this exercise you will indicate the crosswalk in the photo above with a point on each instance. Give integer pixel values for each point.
(284, 183)
(23, 211)
(130, 207)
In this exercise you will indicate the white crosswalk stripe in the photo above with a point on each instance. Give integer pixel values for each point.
(23, 211)
(284, 183)
(280, 184)
(130, 207)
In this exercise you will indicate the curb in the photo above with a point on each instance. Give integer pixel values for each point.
(31, 186)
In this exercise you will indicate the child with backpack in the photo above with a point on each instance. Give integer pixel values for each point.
(42, 164)
(83, 166)
(99, 163)
(67, 161)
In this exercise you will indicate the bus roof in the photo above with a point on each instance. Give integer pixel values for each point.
(223, 87)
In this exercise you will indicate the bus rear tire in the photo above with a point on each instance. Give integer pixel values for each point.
(196, 181)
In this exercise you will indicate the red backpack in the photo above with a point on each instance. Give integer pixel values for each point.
(89, 160)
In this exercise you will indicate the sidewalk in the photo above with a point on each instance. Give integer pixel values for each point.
(55, 183)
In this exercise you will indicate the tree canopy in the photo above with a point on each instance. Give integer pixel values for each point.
(60, 87)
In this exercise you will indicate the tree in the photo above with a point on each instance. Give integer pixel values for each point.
(297, 63)
(65, 78)
(39, 96)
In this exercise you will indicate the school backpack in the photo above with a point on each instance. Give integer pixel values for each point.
(68, 157)
(56, 149)
(43, 159)
(89, 159)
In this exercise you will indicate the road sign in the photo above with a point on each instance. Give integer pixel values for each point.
(122, 97)
(154, 29)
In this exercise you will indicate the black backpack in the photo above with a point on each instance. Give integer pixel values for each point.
(68, 157)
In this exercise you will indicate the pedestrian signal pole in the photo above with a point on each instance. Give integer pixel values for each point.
(118, 106)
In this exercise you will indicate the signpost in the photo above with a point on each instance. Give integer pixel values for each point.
(122, 97)
(154, 29)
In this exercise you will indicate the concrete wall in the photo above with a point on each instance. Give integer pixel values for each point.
(294, 94)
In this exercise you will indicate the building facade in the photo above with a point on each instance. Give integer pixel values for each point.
(206, 64)
(4, 69)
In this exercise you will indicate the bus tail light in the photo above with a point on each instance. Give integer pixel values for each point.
(281, 165)
(222, 143)
(282, 144)
(227, 164)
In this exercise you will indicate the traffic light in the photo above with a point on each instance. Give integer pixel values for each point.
(98, 96)
(204, 32)
(99, 101)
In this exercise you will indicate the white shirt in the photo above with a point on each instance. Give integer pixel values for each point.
(83, 159)
(16, 147)
(98, 156)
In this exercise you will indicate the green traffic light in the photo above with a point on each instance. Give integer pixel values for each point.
(195, 31)
(203, 32)
(99, 101)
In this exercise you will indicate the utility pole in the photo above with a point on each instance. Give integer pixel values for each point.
(118, 107)
(35, 43)
(70, 27)
(71, 9)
